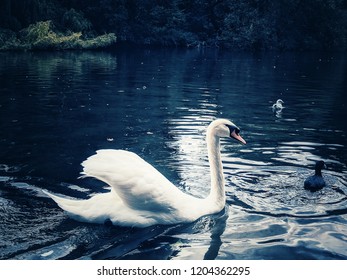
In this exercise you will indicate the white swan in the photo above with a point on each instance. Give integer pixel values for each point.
(278, 106)
(140, 195)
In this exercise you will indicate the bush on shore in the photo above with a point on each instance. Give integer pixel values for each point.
(41, 36)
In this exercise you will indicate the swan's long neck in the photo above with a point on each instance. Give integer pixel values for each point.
(217, 193)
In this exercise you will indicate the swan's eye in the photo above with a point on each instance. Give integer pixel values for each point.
(233, 129)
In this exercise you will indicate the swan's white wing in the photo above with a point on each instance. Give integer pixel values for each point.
(138, 184)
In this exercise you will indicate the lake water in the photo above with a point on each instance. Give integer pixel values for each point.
(57, 109)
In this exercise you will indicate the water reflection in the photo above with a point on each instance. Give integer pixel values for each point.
(217, 231)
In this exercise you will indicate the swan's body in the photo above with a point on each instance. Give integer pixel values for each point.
(316, 181)
(278, 106)
(140, 195)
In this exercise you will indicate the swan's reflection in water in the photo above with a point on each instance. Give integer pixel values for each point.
(161, 242)
(217, 230)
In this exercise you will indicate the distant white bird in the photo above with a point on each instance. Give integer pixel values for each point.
(140, 195)
(278, 106)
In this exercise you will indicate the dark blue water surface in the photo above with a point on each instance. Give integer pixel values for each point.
(56, 109)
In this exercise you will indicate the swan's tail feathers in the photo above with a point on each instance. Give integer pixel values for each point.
(66, 204)
(93, 210)
(73, 207)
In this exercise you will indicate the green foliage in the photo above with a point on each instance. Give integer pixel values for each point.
(246, 24)
(75, 21)
(40, 36)
(38, 32)
(8, 39)
(102, 41)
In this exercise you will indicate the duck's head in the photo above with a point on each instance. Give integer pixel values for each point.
(320, 165)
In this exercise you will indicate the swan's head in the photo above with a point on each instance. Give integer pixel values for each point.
(279, 102)
(225, 128)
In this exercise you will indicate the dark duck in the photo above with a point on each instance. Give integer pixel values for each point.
(316, 182)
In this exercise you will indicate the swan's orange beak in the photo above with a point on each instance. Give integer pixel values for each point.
(237, 137)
